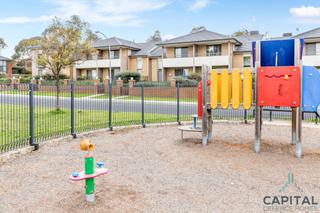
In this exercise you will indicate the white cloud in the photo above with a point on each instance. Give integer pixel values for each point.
(24, 19)
(109, 12)
(305, 11)
(168, 37)
(198, 5)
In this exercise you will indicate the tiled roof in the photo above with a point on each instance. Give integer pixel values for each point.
(314, 33)
(246, 41)
(202, 35)
(2, 58)
(149, 49)
(114, 41)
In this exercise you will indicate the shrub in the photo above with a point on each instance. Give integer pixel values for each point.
(83, 82)
(82, 78)
(5, 81)
(153, 84)
(51, 77)
(194, 76)
(126, 76)
(25, 78)
(184, 82)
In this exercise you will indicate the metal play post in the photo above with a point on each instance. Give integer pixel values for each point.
(90, 172)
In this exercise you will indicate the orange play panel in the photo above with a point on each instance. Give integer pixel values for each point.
(279, 86)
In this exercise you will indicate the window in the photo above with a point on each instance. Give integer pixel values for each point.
(246, 61)
(181, 52)
(214, 50)
(114, 54)
(3, 66)
(311, 49)
(181, 72)
(139, 65)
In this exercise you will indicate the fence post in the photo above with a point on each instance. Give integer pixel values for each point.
(178, 103)
(73, 132)
(270, 112)
(31, 118)
(245, 116)
(142, 107)
(316, 118)
(110, 106)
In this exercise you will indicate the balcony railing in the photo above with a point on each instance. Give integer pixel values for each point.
(198, 61)
(100, 63)
(311, 60)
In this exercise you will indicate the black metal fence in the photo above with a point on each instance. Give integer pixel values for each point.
(31, 113)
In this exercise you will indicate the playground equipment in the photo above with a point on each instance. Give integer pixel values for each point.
(90, 172)
(280, 81)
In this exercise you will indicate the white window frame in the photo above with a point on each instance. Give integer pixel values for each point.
(139, 63)
(311, 49)
(3, 65)
(214, 50)
(178, 53)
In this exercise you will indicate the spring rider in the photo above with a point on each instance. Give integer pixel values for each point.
(90, 171)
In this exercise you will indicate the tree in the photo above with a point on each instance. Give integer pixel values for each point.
(155, 37)
(2, 44)
(24, 47)
(22, 52)
(242, 32)
(62, 44)
(197, 29)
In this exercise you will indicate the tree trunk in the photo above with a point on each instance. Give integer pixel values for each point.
(57, 93)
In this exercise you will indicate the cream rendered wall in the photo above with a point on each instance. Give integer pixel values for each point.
(154, 69)
(169, 52)
(201, 50)
(144, 73)
(124, 59)
(132, 64)
(190, 51)
(237, 60)
(224, 49)
(169, 73)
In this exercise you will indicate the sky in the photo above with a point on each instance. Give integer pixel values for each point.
(136, 20)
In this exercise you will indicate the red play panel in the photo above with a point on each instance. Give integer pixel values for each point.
(279, 86)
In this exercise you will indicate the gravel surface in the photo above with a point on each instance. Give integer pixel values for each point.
(151, 170)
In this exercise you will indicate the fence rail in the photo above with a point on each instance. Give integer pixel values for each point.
(31, 113)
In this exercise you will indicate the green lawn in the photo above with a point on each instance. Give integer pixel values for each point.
(14, 123)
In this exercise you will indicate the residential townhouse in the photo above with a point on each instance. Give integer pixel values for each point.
(100, 63)
(38, 70)
(124, 56)
(186, 54)
(311, 51)
(5, 66)
(161, 61)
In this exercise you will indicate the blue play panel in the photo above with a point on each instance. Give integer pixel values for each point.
(283, 49)
(310, 89)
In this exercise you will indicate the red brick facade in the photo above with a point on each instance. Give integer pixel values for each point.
(9, 68)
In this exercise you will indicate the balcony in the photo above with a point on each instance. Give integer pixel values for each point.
(100, 63)
(221, 60)
(311, 60)
(178, 62)
(198, 61)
